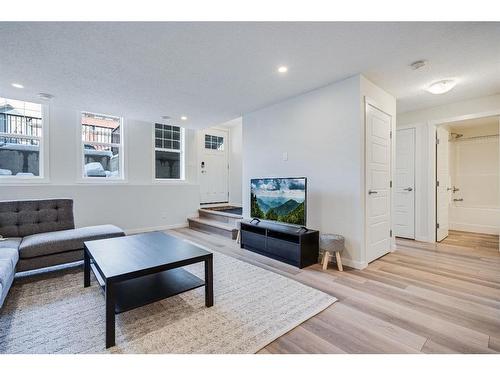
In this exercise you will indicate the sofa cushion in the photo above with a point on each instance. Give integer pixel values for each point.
(64, 240)
(6, 271)
(23, 218)
(10, 243)
(10, 254)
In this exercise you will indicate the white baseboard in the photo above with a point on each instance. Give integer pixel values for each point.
(464, 227)
(155, 229)
(354, 264)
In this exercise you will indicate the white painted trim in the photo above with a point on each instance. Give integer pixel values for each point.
(43, 155)
(182, 152)
(354, 264)
(129, 232)
(431, 186)
(466, 227)
(122, 179)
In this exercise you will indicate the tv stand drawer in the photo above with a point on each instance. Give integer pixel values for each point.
(283, 249)
(252, 239)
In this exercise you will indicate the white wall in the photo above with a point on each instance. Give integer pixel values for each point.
(424, 122)
(138, 204)
(235, 161)
(323, 133)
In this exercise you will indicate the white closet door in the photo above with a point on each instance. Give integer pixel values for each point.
(442, 184)
(404, 184)
(378, 178)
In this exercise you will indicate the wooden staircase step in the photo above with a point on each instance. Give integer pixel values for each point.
(223, 217)
(213, 226)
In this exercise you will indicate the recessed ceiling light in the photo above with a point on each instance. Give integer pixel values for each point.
(45, 96)
(283, 69)
(184, 118)
(441, 87)
(17, 86)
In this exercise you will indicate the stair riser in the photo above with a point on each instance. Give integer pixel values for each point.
(219, 218)
(207, 228)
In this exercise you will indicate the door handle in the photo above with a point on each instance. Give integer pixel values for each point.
(408, 189)
(458, 200)
(370, 192)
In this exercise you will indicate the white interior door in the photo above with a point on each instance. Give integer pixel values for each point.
(442, 183)
(213, 166)
(378, 179)
(404, 184)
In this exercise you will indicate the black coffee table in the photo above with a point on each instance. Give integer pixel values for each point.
(144, 268)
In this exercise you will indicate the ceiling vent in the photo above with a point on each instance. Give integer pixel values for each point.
(45, 96)
(418, 64)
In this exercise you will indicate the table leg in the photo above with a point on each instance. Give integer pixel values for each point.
(110, 315)
(86, 268)
(209, 282)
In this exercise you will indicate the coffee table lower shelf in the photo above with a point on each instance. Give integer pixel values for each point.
(141, 291)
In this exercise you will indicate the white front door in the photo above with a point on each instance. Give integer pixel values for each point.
(442, 183)
(378, 179)
(213, 166)
(404, 184)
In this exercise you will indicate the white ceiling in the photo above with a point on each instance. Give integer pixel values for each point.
(214, 72)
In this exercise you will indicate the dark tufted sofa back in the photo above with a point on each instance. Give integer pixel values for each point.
(22, 218)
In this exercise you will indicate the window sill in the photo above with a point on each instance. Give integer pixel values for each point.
(101, 181)
(172, 181)
(16, 181)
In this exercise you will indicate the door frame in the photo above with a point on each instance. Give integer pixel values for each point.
(432, 128)
(415, 171)
(373, 103)
(201, 145)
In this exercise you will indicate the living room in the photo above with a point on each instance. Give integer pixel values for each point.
(237, 188)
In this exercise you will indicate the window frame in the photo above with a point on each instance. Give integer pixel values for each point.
(43, 153)
(181, 151)
(81, 178)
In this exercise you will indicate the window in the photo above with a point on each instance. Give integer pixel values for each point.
(169, 152)
(20, 139)
(213, 142)
(102, 146)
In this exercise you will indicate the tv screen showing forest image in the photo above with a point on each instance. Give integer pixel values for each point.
(279, 199)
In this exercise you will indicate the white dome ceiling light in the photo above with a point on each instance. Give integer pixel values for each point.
(17, 85)
(441, 87)
(283, 69)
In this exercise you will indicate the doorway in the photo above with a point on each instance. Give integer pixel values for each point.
(213, 166)
(467, 177)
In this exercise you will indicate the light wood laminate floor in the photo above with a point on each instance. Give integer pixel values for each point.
(422, 298)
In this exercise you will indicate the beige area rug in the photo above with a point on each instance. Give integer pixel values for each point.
(53, 313)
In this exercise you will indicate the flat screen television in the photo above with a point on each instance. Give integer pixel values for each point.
(279, 199)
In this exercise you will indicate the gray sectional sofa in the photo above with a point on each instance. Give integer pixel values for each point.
(41, 233)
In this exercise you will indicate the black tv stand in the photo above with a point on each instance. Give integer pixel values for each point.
(298, 247)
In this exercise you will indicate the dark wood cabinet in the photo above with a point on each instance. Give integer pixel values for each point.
(289, 244)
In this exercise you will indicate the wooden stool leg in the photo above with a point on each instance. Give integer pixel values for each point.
(339, 261)
(326, 258)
